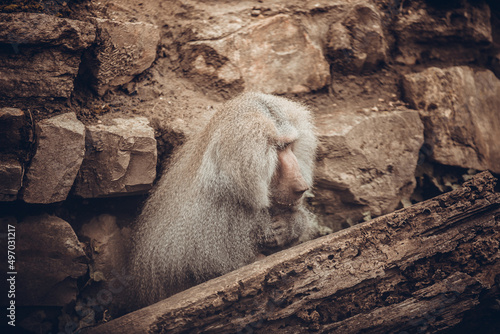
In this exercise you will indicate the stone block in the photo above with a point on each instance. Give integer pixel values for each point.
(59, 154)
(120, 159)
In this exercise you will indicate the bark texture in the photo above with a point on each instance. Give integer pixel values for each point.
(416, 269)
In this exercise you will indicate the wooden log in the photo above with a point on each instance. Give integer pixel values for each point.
(417, 269)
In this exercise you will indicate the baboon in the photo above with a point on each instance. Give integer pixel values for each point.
(231, 192)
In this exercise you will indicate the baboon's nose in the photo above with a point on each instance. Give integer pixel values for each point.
(299, 193)
(299, 188)
(290, 175)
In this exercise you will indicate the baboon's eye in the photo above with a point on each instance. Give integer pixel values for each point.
(283, 146)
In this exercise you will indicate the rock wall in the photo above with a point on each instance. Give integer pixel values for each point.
(44, 54)
(95, 96)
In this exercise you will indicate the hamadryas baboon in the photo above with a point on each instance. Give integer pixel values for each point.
(232, 191)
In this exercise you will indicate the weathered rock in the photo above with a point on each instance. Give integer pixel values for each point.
(120, 159)
(460, 110)
(110, 244)
(11, 178)
(15, 138)
(47, 73)
(59, 154)
(366, 164)
(42, 54)
(13, 132)
(358, 43)
(36, 29)
(425, 33)
(495, 64)
(258, 58)
(124, 49)
(49, 259)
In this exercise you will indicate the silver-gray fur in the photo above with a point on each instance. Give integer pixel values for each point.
(210, 213)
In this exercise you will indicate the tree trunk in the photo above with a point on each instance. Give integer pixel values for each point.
(417, 269)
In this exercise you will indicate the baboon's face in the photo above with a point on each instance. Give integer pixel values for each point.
(288, 184)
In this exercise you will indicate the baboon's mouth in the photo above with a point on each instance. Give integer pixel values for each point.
(285, 206)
